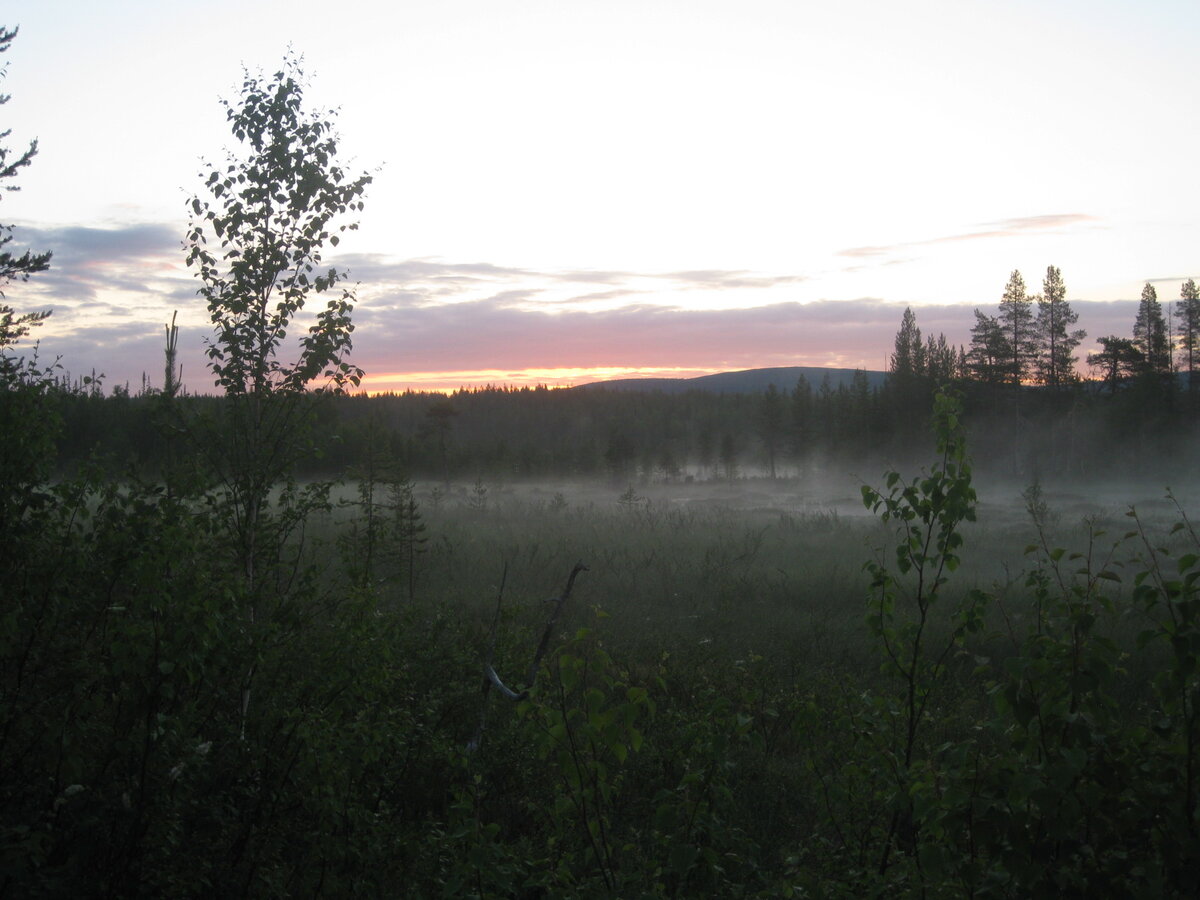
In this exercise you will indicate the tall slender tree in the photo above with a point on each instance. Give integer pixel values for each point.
(1017, 324)
(941, 360)
(256, 236)
(908, 368)
(772, 416)
(1150, 334)
(1187, 314)
(1056, 343)
(908, 357)
(29, 419)
(804, 430)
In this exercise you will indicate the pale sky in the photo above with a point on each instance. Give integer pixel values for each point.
(568, 190)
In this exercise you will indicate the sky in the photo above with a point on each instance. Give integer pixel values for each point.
(566, 191)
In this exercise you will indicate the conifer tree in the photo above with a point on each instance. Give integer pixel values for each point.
(908, 358)
(771, 418)
(1018, 327)
(907, 371)
(941, 360)
(1117, 361)
(1056, 343)
(1188, 316)
(988, 358)
(1150, 334)
(803, 426)
(14, 267)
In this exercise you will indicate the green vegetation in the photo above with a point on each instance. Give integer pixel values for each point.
(216, 681)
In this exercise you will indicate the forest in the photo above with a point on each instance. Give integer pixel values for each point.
(293, 640)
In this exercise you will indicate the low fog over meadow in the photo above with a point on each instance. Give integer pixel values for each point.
(924, 632)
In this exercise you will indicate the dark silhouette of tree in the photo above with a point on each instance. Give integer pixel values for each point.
(771, 417)
(15, 267)
(1019, 330)
(1188, 316)
(907, 363)
(803, 424)
(729, 456)
(439, 418)
(29, 417)
(941, 361)
(256, 237)
(1056, 359)
(1117, 362)
(1150, 334)
(989, 357)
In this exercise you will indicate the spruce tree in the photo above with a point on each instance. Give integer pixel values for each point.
(908, 359)
(771, 418)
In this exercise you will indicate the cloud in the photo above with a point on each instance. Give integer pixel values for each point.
(1055, 220)
(144, 258)
(79, 244)
(1004, 228)
(721, 279)
(488, 335)
(113, 288)
(434, 280)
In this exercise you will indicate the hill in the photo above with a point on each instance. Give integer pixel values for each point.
(747, 381)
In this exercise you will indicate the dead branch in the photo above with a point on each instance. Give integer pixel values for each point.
(490, 677)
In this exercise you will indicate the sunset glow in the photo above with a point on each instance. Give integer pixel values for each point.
(571, 192)
(444, 382)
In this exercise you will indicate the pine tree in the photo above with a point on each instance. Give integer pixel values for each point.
(1188, 316)
(1056, 344)
(1150, 334)
(989, 355)
(1017, 325)
(1118, 361)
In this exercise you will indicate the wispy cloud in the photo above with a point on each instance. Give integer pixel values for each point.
(419, 319)
(144, 258)
(1004, 228)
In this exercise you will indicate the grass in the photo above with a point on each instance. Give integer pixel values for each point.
(706, 572)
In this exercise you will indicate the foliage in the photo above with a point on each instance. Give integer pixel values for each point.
(14, 267)
(928, 511)
(721, 733)
(988, 358)
(1187, 312)
(1018, 329)
(1150, 334)
(585, 726)
(270, 214)
(1057, 343)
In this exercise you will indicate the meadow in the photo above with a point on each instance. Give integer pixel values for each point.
(756, 687)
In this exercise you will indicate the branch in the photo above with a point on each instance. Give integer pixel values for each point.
(544, 643)
(490, 677)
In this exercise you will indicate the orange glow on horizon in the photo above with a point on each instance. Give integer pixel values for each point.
(447, 382)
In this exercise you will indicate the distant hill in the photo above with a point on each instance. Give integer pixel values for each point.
(749, 381)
